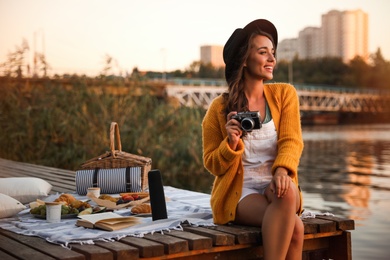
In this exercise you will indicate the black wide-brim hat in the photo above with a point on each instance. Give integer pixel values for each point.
(232, 55)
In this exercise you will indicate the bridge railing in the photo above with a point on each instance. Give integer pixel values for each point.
(312, 98)
(338, 89)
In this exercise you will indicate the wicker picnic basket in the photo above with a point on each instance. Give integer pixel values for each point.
(116, 160)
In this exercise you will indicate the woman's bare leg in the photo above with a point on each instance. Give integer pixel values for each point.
(296, 245)
(282, 229)
(279, 223)
(250, 210)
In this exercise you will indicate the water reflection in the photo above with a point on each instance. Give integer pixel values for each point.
(345, 170)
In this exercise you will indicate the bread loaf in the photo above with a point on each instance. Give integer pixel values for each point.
(66, 199)
(142, 208)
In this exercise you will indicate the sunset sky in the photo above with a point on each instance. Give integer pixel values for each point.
(76, 35)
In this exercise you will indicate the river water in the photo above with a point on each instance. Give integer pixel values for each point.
(345, 170)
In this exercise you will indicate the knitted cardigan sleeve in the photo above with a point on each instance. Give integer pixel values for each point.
(218, 157)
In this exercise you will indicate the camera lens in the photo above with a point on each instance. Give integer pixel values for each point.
(247, 124)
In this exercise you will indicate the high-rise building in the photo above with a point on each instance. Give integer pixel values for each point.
(345, 34)
(212, 54)
(287, 49)
(309, 43)
(342, 34)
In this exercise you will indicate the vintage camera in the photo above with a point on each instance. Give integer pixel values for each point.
(249, 120)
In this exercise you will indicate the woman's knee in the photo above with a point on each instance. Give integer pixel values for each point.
(289, 198)
(292, 196)
(298, 233)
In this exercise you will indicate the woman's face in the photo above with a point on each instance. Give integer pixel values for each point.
(261, 60)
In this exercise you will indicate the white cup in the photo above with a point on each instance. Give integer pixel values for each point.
(53, 212)
(94, 191)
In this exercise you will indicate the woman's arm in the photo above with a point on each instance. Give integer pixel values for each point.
(218, 157)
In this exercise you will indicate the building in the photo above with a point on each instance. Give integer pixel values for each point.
(212, 54)
(345, 34)
(342, 34)
(287, 49)
(309, 43)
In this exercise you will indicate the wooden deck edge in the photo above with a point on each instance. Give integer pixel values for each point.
(338, 243)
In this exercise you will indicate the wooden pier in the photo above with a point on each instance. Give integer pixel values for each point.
(325, 237)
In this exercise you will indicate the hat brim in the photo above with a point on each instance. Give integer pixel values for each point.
(265, 26)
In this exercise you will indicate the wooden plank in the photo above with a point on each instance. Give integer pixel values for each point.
(43, 246)
(33, 172)
(93, 252)
(219, 238)
(341, 223)
(6, 166)
(39, 174)
(310, 227)
(19, 250)
(145, 247)
(171, 244)
(195, 242)
(225, 252)
(315, 244)
(341, 247)
(5, 256)
(241, 236)
(319, 254)
(121, 251)
(325, 234)
(322, 225)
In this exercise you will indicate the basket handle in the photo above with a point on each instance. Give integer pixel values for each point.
(114, 134)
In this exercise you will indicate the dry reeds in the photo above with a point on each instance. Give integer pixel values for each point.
(48, 124)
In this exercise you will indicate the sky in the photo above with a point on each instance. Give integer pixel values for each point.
(76, 36)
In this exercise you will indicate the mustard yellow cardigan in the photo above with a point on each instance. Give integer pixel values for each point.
(226, 164)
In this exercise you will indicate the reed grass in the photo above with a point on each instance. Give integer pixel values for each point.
(49, 124)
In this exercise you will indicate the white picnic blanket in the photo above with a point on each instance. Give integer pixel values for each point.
(183, 206)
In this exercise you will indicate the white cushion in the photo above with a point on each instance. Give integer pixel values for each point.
(25, 189)
(9, 206)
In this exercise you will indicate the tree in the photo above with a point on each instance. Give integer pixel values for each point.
(16, 61)
(209, 71)
(358, 74)
(380, 73)
(108, 60)
(192, 71)
(328, 71)
(42, 64)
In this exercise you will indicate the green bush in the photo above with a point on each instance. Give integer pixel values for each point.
(50, 124)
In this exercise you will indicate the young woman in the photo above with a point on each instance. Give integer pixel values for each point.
(256, 178)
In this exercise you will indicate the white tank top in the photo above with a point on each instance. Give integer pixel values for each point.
(259, 155)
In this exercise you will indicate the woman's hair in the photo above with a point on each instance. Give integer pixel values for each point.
(235, 97)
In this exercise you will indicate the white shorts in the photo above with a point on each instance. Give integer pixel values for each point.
(260, 189)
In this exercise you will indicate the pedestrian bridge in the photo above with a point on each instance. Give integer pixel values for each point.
(312, 98)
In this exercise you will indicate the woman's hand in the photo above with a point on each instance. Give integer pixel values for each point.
(280, 182)
(233, 130)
